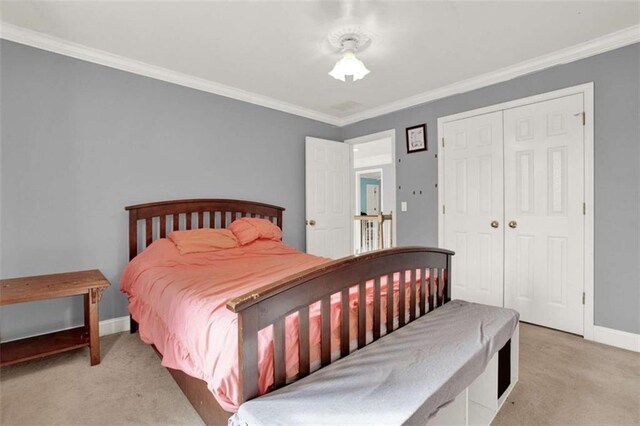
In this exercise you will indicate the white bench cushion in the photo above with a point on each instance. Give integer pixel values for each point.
(404, 377)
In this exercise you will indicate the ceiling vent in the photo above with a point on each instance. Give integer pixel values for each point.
(346, 106)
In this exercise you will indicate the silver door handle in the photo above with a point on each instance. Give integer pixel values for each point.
(513, 224)
(495, 224)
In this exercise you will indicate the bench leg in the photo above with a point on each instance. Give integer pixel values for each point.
(133, 325)
(91, 322)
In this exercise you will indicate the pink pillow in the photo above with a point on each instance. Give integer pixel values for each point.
(249, 229)
(203, 240)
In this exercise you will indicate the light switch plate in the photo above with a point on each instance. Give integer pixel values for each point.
(403, 206)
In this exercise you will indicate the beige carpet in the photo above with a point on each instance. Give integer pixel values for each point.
(563, 380)
(129, 386)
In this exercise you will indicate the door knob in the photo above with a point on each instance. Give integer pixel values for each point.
(495, 224)
(513, 224)
(311, 222)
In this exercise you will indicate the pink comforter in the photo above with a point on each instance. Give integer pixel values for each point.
(180, 301)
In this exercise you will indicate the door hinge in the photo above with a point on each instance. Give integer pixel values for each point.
(443, 142)
(443, 209)
(583, 297)
(584, 209)
(584, 118)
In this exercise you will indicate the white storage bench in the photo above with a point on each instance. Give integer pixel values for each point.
(480, 402)
(455, 365)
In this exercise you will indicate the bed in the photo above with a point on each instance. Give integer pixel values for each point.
(281, 326)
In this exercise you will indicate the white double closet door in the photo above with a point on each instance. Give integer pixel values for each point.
(513, 199)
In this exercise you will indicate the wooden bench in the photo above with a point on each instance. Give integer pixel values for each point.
(90, 284)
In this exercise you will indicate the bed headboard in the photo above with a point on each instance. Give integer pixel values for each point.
(150, 221)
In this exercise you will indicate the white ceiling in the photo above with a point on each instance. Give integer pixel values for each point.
(374, 153)
(278, 51)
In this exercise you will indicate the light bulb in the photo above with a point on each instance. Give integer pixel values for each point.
(349, 65)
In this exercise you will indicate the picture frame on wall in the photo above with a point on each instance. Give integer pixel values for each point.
(416, 138)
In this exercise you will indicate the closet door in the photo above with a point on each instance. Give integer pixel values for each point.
(544, 195)
(473, 193)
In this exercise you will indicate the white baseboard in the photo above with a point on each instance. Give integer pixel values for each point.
(114, 325)
(617, 338)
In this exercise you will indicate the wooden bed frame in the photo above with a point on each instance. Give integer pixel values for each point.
(270, 305)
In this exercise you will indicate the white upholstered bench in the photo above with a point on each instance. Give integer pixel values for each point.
(455, 365)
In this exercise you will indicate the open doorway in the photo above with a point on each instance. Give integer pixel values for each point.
(369, 197)
(372, 225)
(373, 196)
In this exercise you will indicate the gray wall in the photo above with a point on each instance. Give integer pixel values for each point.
(81, 141)
(616, 76)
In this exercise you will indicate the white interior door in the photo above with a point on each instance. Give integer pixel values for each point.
(373, 199)
(473, 217)
(328, 198)
(544, 195)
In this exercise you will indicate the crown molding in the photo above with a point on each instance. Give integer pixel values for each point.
(78, 51)
(593, 47)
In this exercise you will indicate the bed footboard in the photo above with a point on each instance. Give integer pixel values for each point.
(426, 272)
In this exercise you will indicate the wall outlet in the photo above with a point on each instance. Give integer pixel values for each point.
(403, 206)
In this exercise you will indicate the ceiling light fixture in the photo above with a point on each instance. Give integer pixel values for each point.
(349, 65)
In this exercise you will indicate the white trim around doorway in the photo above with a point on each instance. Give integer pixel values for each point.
(387, 134)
